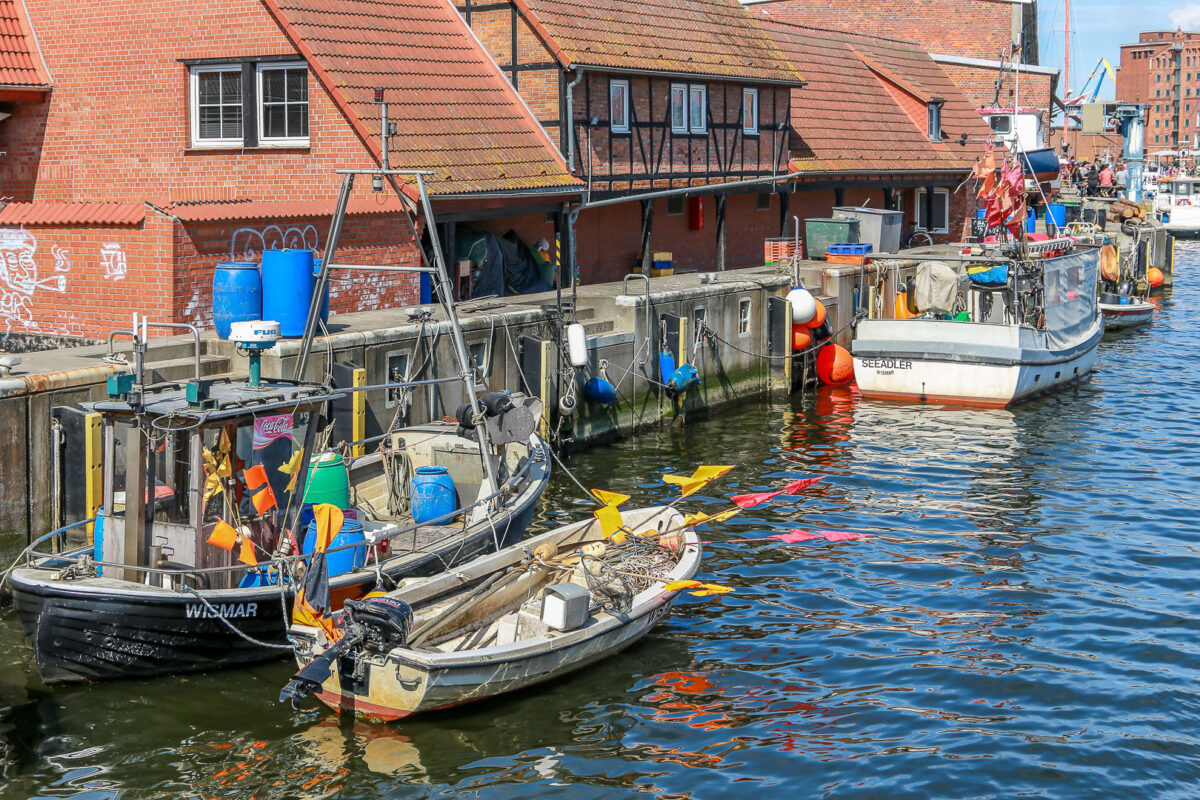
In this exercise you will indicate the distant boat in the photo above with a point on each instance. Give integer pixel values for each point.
(1121, 311)
(501, 623)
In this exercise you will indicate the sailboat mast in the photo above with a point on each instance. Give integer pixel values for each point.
(1067, 51)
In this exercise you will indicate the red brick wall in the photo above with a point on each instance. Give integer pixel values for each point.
(970, 28)
(118, 124)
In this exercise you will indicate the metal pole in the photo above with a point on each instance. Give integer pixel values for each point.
(314, 306)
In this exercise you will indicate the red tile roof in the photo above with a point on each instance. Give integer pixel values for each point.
(387, 203)
(21, 64)
(454, 112)
(863, 108)
(72, 214)
(694, 37)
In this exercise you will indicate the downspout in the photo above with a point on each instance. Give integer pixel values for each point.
(571, 118)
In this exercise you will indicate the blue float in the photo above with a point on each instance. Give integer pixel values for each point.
(237, 295)
(287, 289)
(683, 379)
(342, 561)
(601, 391)
(432, 495)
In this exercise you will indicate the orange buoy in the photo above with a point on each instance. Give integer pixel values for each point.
(801, 338)
(900, 306)
(1154, 277)
(818, 318)
(1110, 268)
(835, 365)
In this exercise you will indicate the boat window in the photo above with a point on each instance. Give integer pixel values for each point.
(744, 316)
(1001, 124)
(397, 369)
(479, 355)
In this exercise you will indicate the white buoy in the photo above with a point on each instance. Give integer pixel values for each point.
(804, 305)
(577, 349)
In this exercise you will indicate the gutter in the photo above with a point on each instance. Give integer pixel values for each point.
(984, 63)
(692, 76)
(571, 118)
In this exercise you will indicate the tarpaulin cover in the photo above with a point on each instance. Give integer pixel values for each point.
(1070, 283)
(506, 265)
(937, 287)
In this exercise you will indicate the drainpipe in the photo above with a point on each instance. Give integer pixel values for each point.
(571, 119)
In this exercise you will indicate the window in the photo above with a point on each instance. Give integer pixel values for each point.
(1000, 124)
(744, 316)
(750, 111)
(762, 201)
(618, 106)
(941, 210)
(217, 106)
(675, 206)
(283, 112)
(679, 123)
(697, 108)
(935, 120)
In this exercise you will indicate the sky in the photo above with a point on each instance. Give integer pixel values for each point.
(1100, 27)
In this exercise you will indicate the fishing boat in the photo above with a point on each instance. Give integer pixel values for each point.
(1177, 205)
(208, 486)
(552, 605)
(1124, 311)
(986, 330)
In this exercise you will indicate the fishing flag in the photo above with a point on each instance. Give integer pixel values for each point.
(223, 536)
(699, 518)
(795, 487)
(710, 589)
(261, 493)
(795, 536)
(292, 467)
(608, 515)
(703, 476)
(754, 499)
(246, 554)
(842, 536)
(675, 586)
(312, 601)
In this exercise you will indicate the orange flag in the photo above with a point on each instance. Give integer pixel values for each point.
(223, 536)
(246, 555)
(261, 493)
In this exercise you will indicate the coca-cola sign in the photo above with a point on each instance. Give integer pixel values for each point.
(268, 429)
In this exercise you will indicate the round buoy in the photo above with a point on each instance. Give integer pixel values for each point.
(818, 318)
(801, 338)
(804, 305)
(835, 365)
(1109, 268)
(1154, 276)
(822, 332)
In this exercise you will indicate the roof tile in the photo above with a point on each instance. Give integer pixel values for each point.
(20, 62)
(72, 214)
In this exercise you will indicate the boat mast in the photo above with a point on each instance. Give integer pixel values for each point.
(1067, 58)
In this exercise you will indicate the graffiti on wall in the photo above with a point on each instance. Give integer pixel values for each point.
(248, 241)
(112, 258)
(19, 279)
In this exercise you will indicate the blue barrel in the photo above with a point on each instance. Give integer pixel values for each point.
(237, 295)
(287, 289)
(341, 562)
(324, 297)
(1031, 221)
(432, 495)
(1056, 215)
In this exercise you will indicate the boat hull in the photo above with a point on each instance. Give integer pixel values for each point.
(964, 363)
(100, 629)
(1119, 317)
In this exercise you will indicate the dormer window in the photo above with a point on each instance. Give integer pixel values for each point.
(934, 107)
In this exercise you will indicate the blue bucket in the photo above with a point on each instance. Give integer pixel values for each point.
(237, 295)
(1056, 215)
(345, 560)
(287, 286)
(432, 495)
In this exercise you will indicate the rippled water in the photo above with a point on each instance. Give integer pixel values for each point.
(1023, 621)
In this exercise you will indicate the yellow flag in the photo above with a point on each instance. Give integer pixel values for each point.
(703, 476)
(710, 589)
(292, 467)
(610, 519)
(699, 518)
(675, 586)
(610, 498)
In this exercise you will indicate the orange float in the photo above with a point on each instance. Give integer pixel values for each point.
(818, 318)
(801, 338)
(835, 365)
(1110, 269)
(900, 307)
(1154, 276)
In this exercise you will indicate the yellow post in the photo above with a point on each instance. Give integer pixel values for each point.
(358, 426)
(93, 455)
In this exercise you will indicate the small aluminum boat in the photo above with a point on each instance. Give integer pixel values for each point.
(1122, 312)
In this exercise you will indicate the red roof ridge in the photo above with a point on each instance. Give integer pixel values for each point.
(73, 213)
(924, 97)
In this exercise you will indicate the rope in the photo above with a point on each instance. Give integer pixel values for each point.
(709, 333)
(233, 627)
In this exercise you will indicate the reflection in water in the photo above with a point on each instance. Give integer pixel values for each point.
(1021, 621)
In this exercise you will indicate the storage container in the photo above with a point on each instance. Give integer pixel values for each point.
(819, 233)
(565, 606)
(325, 295)
(237, 295)
(287, 289)
(1056, 217)
(877, 226)
(346, 560)
(432, 495)
(328, 481)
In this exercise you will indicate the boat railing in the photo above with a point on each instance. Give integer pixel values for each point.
(32, 552)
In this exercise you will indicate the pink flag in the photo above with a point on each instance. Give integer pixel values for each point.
(843, 536)
(795, 536)
(798, 486)
(751, 500)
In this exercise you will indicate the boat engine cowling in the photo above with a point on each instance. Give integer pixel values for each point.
(378, 623)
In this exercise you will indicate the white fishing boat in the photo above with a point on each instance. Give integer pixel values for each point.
(1177, 205)
(551, 605)
(985, 330)
(1122, 311)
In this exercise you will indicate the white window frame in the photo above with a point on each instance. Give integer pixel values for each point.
(703, 90)
(749, 121)
(680, 87)
(613, 83)
(933, 112)
(745, 317)
(194, 106)
(278, 141)
(919, 211)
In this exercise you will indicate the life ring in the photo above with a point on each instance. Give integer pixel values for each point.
(1184, 202)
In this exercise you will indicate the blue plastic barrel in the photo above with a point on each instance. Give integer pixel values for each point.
(345, 560)
(432, 495)
(287, 289)
(237, 295)
(325, 296)
(980, 213)
(1031, 221)
(1056, 215)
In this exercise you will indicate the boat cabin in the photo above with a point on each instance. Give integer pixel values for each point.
(1017, 129)
(1171, 192)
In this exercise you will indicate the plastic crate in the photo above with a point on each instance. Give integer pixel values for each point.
(778, 249)
(833, 258)
(819, 233)
(849, 249)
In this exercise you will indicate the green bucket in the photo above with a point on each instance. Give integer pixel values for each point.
(328, 481)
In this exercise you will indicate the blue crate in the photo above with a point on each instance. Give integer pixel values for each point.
(850, 249)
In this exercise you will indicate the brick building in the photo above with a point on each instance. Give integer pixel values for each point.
(1162, 70)
(131, 173)
(878, 124)
(976, 42)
